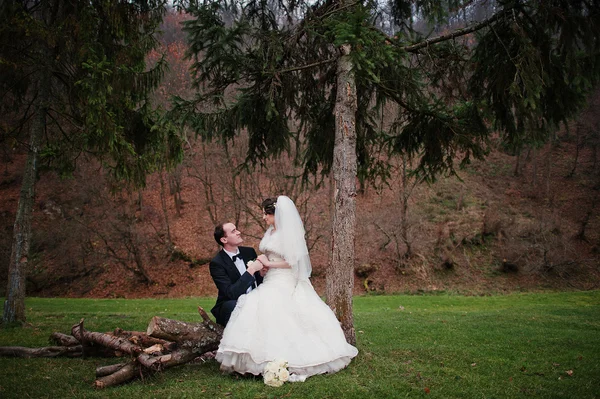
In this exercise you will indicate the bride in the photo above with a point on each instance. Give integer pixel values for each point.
(284, 318)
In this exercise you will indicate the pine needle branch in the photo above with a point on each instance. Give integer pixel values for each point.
(456, 33)
(314, 64)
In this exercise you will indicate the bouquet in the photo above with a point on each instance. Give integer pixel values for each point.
(276, 373)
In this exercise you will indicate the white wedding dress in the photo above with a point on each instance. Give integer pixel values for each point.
(283, 319)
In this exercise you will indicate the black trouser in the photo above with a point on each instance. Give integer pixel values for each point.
(223, 312)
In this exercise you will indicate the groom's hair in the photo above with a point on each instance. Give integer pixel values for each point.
(219, 233)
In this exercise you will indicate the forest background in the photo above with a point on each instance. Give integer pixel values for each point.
(523, 221)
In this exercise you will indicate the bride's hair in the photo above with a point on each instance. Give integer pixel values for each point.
(268, 206)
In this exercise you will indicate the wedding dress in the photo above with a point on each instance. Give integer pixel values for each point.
(283, 319)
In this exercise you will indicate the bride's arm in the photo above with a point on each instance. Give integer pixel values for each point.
(277, 264)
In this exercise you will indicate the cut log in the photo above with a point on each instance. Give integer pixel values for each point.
(205, 317)
(124, 374)
(142, 339)
(175, 358)
(144, 362)
(199, 337)
(106, 340)
(103, 371)
(166, 343)
(47, 351)
(64, 339)
(193, 340)
(155, 350)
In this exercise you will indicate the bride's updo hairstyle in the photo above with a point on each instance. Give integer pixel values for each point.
(268, 206)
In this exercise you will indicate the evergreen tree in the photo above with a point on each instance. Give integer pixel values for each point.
(73, 75)
(321, 73)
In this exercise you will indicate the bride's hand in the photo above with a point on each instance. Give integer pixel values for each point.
(264, 260)
(264, 271)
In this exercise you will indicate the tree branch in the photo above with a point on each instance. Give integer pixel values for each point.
(456, 33)
(306, 66)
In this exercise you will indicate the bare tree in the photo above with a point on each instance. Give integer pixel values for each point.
(163, 202)
(174, 179)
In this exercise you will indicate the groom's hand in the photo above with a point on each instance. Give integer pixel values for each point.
(254, 267)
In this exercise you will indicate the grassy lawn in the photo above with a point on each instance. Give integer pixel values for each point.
(512, 346)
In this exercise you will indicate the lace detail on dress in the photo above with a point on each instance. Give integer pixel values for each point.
(270, 244)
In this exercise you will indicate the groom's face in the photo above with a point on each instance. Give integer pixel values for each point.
(232, 236)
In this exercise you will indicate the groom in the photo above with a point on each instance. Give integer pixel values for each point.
(229, 271)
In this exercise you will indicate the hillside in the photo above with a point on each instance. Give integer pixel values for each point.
(485, 231)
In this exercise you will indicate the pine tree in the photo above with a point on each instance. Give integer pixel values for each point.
(321, 73)
(73, 74)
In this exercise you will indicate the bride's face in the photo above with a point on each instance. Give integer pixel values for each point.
(270, 219)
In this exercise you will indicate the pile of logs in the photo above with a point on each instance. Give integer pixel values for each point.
(166, 343)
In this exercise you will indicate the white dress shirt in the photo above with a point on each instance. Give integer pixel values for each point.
(239, 263)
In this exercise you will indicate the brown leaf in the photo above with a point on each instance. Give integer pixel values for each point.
(569, 373)
(426, 390)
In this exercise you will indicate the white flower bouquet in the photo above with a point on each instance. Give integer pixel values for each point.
(276, 373)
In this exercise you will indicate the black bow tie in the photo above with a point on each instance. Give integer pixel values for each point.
(236, 257)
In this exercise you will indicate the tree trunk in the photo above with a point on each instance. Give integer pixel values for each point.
(594, 156)
(404, 195)
(588, 216)
(340, 274)
(175, 189)
(163, 202)
(137, 256)
(517, 171)
(577, 147)
(548, 172)
(535, 171)
(14, 306)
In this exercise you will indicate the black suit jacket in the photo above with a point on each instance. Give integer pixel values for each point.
(227, 278)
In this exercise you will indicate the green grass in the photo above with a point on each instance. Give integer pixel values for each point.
(443, 346)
